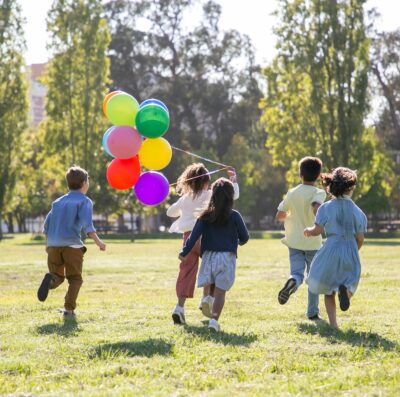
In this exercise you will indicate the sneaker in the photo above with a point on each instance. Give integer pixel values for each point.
(213, 325)
(286, 291)
(67, 313)
(315, 318)
(178, 315)
(43, 290)
(344, 298)
(207, 305)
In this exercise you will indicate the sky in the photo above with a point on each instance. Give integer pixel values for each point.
(251, 17)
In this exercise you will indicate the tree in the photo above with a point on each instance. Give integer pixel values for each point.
(385, 60)
(386, 69)
(13, 94)
(317, 99)
(201, 72)
(206, 76)
(77, 80)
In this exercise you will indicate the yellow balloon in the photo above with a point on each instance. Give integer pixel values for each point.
(155, 154)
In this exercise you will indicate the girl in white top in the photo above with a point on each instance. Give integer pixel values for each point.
(193, 186)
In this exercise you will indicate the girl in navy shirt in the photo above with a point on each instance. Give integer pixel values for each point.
(221, 229)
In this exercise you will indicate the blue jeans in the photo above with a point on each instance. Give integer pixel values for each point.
(300, 261)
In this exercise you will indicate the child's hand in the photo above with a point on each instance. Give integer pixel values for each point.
(307, 232)
(101, 245)
(231, 174)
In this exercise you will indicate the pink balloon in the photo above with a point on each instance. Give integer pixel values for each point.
(124, 142)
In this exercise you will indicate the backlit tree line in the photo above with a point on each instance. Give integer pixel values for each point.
(313, 98)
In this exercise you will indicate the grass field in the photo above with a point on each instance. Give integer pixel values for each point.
(124, 343)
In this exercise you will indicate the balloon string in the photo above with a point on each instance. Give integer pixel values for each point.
(200, 176)
(199, 157)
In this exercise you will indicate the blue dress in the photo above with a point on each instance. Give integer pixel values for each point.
(338, 261)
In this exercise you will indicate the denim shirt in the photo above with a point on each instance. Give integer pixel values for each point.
(69, 215)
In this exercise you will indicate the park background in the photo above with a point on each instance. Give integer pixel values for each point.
(255, 86)
(318, 77)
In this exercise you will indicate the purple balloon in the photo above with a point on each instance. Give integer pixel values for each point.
(152, 188)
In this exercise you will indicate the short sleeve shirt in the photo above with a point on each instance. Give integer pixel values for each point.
(298, 204)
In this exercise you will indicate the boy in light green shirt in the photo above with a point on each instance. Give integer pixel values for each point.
(297, 211)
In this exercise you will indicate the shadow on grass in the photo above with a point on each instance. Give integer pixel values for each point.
(226, 338)
(146, 348)
(69, 327)
(370, 340)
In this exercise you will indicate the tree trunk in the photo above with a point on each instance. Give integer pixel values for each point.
(10, 222)
(1, 229)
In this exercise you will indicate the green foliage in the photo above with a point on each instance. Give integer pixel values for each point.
(13, 94)
(206, 76)
(77, 81)
(316, 100)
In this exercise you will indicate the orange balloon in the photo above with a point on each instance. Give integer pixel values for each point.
(107, 98)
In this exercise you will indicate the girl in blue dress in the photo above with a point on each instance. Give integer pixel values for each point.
(336, 267)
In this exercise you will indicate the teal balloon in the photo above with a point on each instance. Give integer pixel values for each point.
(122, 109)
(152, 121)
(104, 142)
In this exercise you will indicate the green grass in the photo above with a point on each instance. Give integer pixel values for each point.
(124, 343)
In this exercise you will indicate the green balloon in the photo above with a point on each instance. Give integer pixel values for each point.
(122, 109)
(152, 121)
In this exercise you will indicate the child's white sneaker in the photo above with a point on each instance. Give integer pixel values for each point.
(213, 325)
(207, 305)
(178, 315)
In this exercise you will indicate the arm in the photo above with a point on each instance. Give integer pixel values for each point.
(360, 240)
(317, 200)
(315, 207)
(243, 233)
(283, 209)
(313, 231)
(85, 213)
(280, 216)
(191, 241)
(46, 224)
(98, 242)
(232, 177)
(175, 209)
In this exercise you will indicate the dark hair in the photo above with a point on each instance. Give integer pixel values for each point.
(76, 176)
(221, 203)
(339, 181)
(193, 180)
(310, 168)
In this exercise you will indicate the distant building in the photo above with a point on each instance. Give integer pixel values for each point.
(37, 93)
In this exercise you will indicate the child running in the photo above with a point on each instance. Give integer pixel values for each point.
(69, 215)
(221, 230)
(336, 266)
(298, 211)
(193, 185)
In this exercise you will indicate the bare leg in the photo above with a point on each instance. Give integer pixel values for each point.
(206, 290)
(330, 304)
(211, 289)
(181, 301)
(219, 302)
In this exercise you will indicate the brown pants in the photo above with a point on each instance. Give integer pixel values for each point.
(66, 262)
(186, 281)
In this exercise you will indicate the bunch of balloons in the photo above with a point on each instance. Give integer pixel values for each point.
(135, 139)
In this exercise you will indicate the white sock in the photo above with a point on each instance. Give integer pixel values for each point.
(179, 308)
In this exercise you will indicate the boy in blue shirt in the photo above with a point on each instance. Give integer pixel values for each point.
(69, 215)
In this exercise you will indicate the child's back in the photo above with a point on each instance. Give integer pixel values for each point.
(298, 205)
(69, 214)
